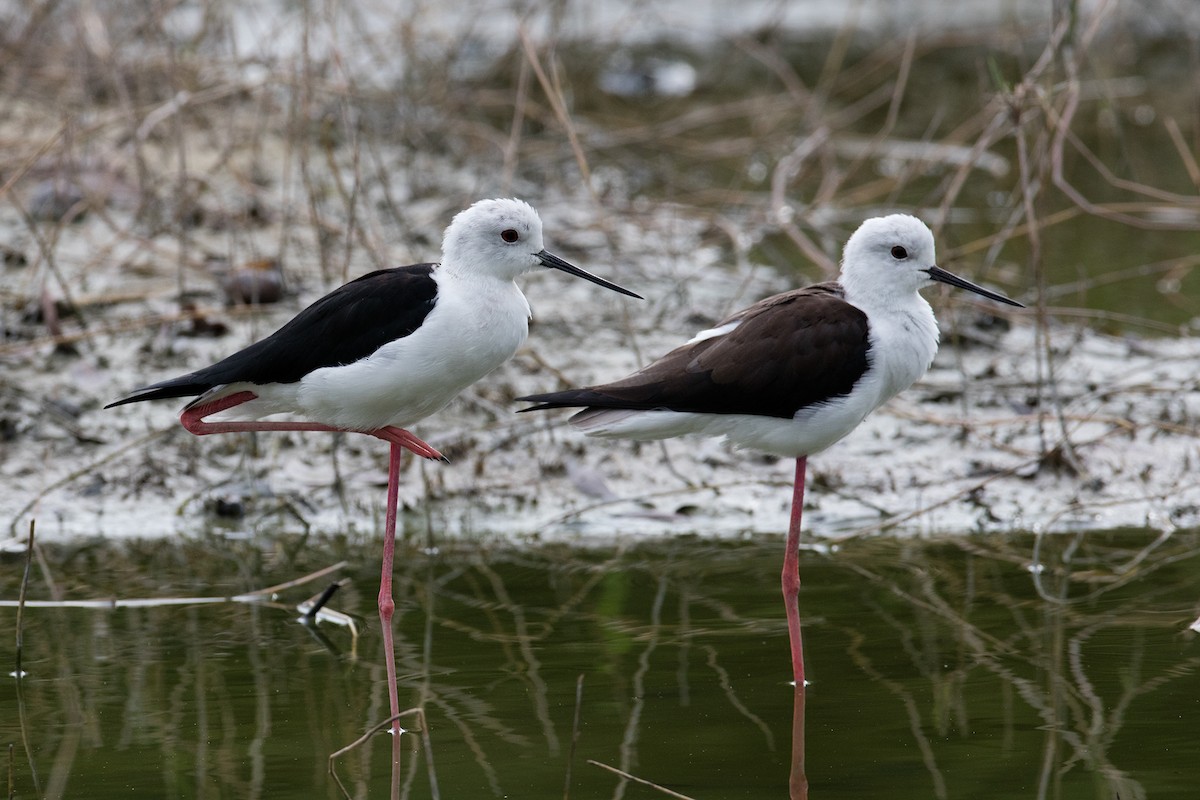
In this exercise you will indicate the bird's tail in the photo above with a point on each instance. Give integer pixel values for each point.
(571, 398)
(183, 386)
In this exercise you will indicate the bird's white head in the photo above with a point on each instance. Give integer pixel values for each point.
(503, 239)
(889, 259)
(500, 238)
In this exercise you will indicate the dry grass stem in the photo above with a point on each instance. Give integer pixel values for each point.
(422, 729)
(627, 776)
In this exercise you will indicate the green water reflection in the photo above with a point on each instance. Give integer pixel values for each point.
(954, 668)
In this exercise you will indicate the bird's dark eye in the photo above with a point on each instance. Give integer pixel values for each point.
(509, 235)
(899, 252)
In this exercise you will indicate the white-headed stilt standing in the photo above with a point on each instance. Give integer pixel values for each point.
(793, 373)
(383, 352)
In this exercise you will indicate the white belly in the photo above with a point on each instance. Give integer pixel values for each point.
(466, 336)
(811, 431)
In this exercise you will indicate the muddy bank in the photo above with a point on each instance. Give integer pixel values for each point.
(1012, 429)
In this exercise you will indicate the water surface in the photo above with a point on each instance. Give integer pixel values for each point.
(949, 668)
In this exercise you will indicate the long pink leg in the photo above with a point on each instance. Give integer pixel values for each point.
(193, 419)
(387, 605)
(791, 575)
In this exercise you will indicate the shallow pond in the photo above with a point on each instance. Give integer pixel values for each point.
(997, 667)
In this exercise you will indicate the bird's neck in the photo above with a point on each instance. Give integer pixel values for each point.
(467, 272)
(903, 331)
(484, 290)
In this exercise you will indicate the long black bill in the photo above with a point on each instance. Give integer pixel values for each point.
(942, 276)
(554, 262)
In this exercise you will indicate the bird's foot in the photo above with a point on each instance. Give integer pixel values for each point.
(409, 442)
(193, 415)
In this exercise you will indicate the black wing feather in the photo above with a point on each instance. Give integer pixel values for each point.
(344, 326)
(789, 352)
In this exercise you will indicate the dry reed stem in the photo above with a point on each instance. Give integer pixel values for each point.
(257, 596)
(575, 731)
(309, 578)
(554, 95)
(627, 776)
(19, 672)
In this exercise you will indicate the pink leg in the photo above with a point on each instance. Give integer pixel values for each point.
(193, 420)
(791, 575)
(798, 778)
(387, 605)
(400, 440)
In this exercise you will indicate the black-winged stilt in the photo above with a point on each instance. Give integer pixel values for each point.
(793, 373)
(383, 352)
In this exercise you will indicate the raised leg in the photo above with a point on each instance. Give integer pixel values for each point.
(193, 419)
(387, 605)
(790, 578)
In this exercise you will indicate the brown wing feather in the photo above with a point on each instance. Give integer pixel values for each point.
(788, 352)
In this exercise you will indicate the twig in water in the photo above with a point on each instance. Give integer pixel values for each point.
(423, 729)
(642, 781)
(312, 576)
(574, 736)
(256, 596)
(18, 672)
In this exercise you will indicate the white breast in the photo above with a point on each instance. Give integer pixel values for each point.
(476, 326)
